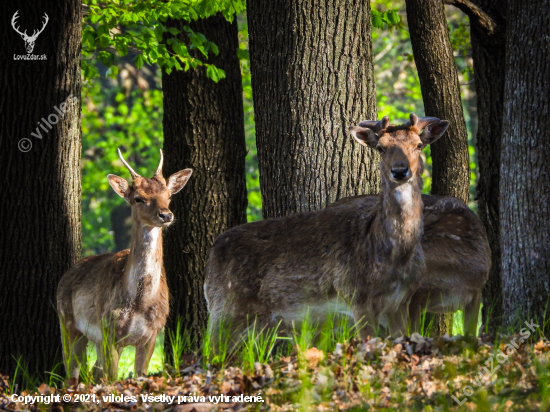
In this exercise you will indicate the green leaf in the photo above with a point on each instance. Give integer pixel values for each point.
(394, 17)
(377, 21)
(243, 54)
(106, 58)
(139, 61)
(214, 73)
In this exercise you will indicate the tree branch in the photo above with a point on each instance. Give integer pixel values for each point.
(477, 16)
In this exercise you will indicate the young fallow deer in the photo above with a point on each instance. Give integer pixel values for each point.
(457, 256)
(369, 257)
(120, 299)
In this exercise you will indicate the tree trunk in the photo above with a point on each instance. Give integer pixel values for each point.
(525, 168)
(121, 223)
(312, 76)
(40, 178)
(204, 130)
(433, 55)
(488, 52)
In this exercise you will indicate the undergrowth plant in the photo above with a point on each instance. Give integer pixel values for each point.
(180, 344)
(257, 346)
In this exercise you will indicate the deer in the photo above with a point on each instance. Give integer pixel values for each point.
(457, 256)
(29, 40)
(120, 299)
(277, 270)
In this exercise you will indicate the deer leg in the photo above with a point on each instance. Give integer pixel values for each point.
(367, 322)
(397, 322)
(415, 313)
(471, 314)
(143, 356)
(74, 352)
(107, 362)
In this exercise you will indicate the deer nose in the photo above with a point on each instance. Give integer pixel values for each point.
(166, 217)
(400, 170)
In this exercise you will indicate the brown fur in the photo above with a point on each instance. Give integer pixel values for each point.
(370, 257)
(457, 256)
(121, 299)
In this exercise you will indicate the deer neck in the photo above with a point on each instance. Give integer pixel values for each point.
(402, 215)
(144, 266)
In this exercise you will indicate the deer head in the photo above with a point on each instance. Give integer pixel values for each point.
(400, 146)
(29, 40)
(150, 198)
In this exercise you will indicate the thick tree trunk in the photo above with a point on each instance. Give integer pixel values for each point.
(433, 55)
(312, 76)
(203, 130)
(40, 178)
(525, 167)
(488, 52)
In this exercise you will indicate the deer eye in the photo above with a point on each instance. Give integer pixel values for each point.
(139, 200)
(419, 147)
(380, 149)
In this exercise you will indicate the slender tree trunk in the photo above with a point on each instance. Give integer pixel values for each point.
(488, 52)
(433, 55)
(525, 167)
(312, 76)
(204, 130)
(40, 178)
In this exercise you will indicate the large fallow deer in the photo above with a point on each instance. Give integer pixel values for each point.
(457, 256)
(120, 299)
(368, 257)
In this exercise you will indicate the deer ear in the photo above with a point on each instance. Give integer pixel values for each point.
(177, 181)
(364, 136)
(120, 186)
(434, 131)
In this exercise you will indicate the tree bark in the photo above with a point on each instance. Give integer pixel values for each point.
(433, 55)
(40, 179)
(312, 76)
(525, 169)
(204, 130)
(488, 52)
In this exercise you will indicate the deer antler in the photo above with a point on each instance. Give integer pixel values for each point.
(376, 126)
(159, 169)
(420, 123)
(35, 33)
(15, 16)
(132, 172)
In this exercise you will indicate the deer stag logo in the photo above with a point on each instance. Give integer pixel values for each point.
(29, 40)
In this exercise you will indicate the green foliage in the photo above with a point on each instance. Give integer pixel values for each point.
(112, 29)
(254, 210)
(115, 115)
(387, 19)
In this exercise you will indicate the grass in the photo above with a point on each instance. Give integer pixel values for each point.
(325, 366)
(126, 358)
(337, 328)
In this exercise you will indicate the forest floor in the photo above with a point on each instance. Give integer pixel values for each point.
(407, 374)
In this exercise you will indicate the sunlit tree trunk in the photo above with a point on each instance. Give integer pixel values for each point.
(312, 76)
